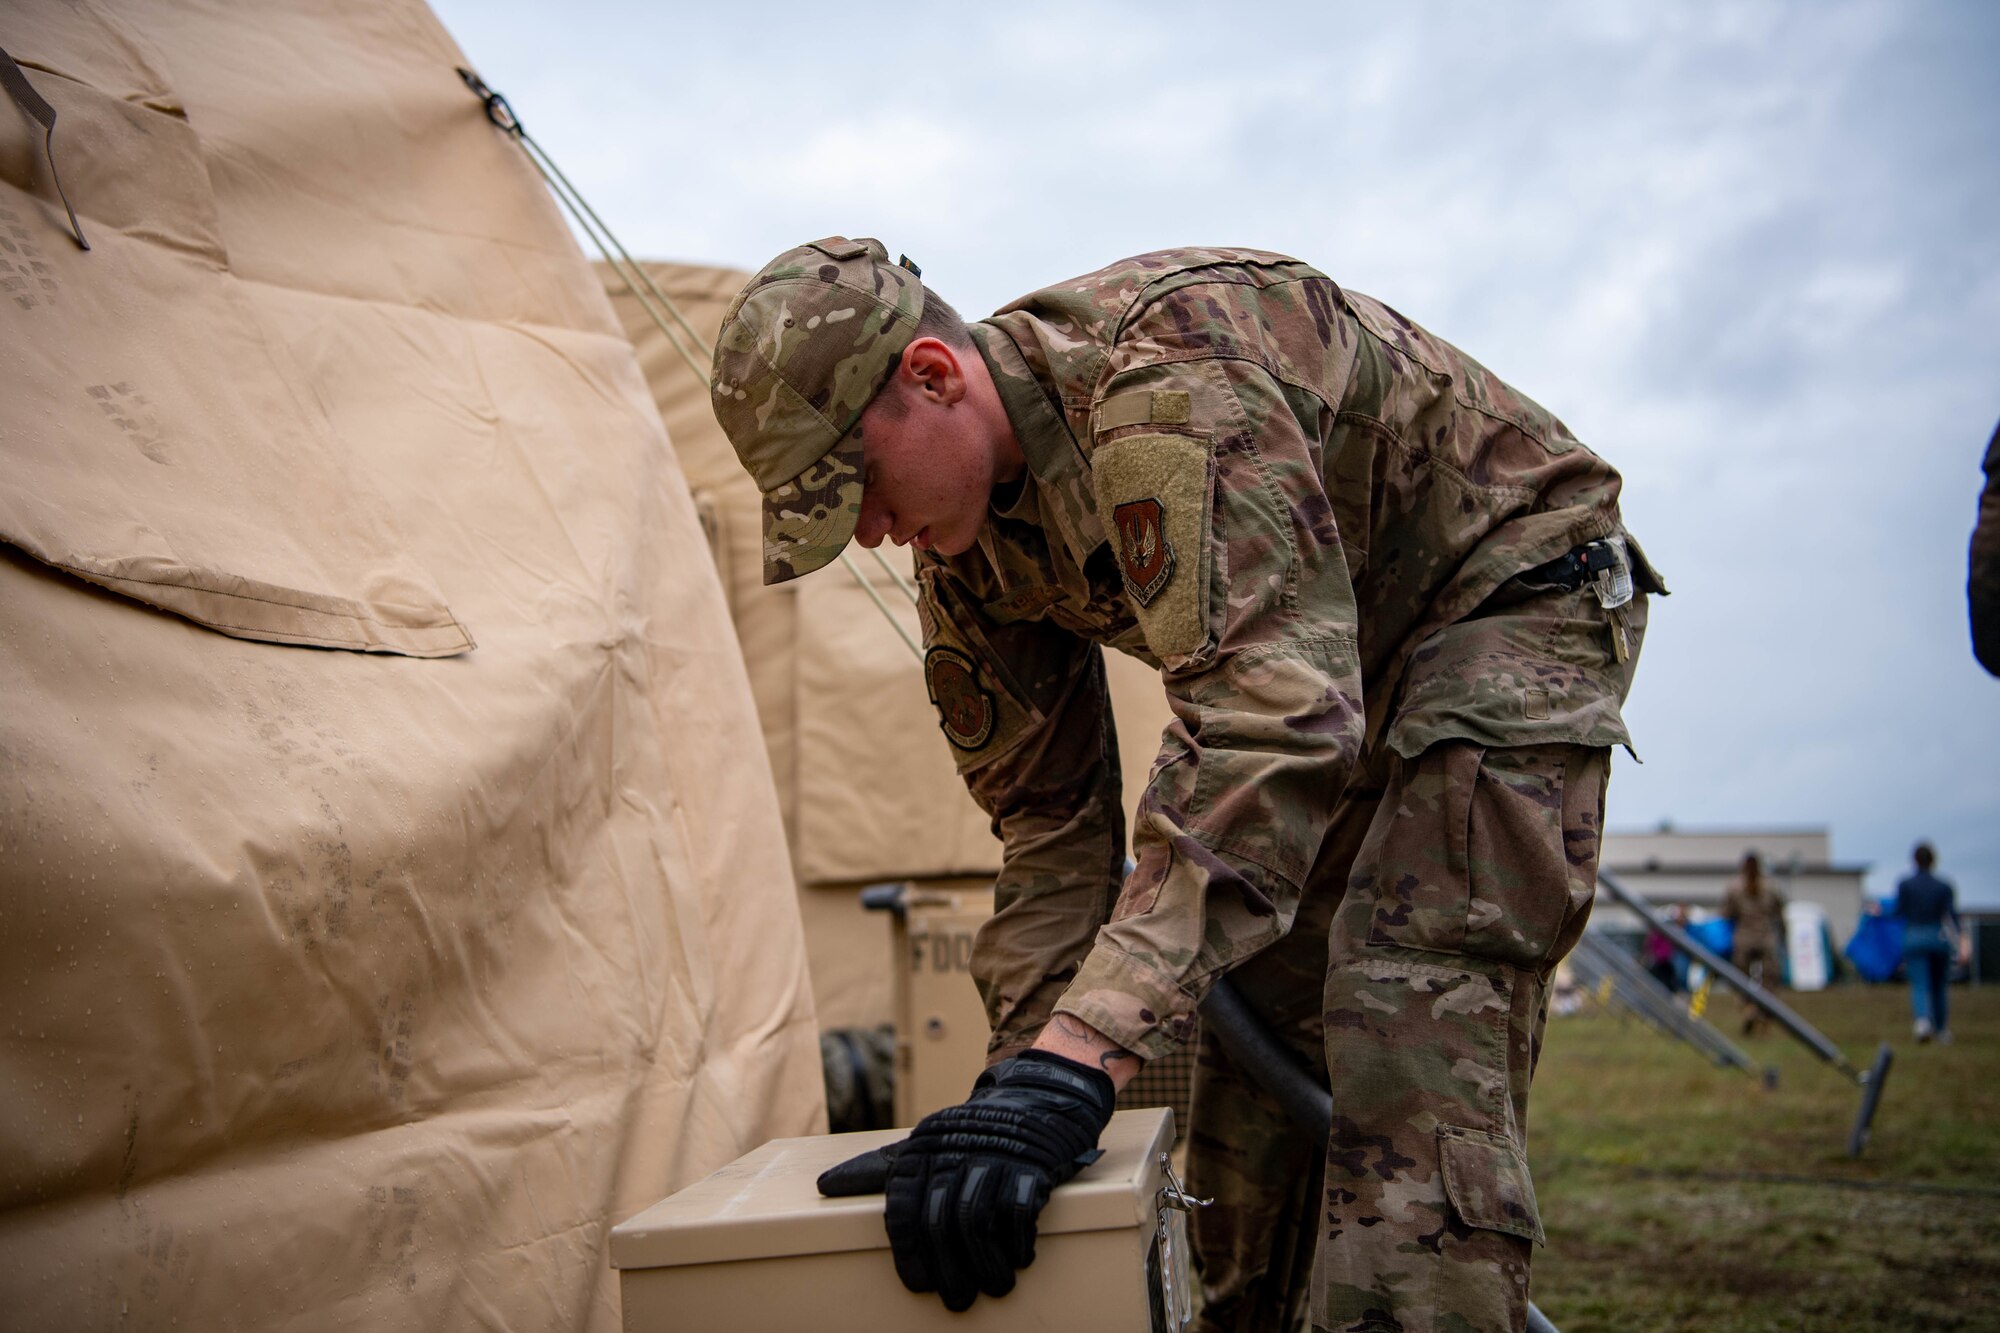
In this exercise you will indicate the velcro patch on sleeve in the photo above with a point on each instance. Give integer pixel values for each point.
(1143, 407)
(1153, 496)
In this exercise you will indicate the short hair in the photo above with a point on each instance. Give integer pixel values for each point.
(938, 321)
(1924, 856)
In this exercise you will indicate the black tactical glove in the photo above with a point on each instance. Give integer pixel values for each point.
(965, 1188)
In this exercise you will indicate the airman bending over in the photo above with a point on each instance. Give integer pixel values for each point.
(1395, 614)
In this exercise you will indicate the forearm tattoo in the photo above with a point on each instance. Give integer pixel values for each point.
(1108, 1059)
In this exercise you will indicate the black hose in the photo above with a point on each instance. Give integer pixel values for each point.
(1283, 1075)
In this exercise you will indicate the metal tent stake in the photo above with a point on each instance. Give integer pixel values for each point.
(1869, 1080)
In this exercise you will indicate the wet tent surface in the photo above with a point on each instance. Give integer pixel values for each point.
(395, 894)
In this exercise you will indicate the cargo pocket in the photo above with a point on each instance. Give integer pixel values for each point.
(1518, 889)
(1486, 1179)
(1421, 866)
(1491, 853)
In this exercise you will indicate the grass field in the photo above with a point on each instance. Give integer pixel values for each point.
(1677, 1195)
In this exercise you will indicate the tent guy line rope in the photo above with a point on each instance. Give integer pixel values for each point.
(501, 112)
(881, 605)
(902, 583)
(890, 570)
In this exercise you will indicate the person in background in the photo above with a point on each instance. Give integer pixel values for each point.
(1756, 913)
(1661, 959)
(1931, 931)
(1982, 579)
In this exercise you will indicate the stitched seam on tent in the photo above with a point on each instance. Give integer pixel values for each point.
(330, 636)
(287, 636)
(97, 575)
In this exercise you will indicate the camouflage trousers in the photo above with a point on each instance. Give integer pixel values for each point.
(1759, 961)
(1421, 992)
(1416, 980)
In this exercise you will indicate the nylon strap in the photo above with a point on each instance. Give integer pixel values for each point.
(38, 109)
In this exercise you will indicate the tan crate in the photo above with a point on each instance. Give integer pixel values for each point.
(755, 1249)
(941, 1027)
(941, 1024)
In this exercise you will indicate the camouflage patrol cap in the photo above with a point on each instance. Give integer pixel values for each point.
(803, 349)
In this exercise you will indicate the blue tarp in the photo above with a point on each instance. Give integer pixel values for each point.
(1716, 933)
(1877, 947)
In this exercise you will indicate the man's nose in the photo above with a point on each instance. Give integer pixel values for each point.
(874, 523)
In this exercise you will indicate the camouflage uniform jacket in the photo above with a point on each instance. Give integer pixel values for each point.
(1982, 583)
(1276, 491)
(1757, 920)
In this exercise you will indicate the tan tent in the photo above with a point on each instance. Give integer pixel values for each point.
(349, 988)
(864, 779)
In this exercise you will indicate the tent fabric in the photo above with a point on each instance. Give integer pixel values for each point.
(867, 785)
(361, 989)
(184, 469)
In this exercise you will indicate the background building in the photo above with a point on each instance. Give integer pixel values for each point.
(1983, 923)
(1694, 868)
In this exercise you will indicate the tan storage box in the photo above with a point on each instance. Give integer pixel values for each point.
(755, 1249)
(941, 1027)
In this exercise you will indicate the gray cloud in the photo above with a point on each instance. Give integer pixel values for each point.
(1748, 250)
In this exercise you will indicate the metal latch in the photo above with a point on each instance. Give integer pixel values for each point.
(1173, 1194)
(1172, 1270)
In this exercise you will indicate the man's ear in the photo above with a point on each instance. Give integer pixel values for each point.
(931, 368)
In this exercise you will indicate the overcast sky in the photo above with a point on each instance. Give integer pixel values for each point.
(1748, 252)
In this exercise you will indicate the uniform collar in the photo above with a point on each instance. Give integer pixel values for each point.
(1061, 480)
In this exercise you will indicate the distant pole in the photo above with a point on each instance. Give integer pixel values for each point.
(1728, 971)
(1870, 1080)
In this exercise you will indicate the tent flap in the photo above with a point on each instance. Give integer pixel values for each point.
(158, 441)
(348, 989)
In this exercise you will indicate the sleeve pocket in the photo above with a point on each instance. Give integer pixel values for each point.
(1486, 1179)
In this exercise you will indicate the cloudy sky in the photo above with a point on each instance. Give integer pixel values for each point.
(1749, 252)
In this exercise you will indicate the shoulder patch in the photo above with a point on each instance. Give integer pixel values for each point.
(965, 708)
(1145, 556)
(1154, 493)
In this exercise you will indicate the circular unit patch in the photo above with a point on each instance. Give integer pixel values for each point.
(965, 711)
